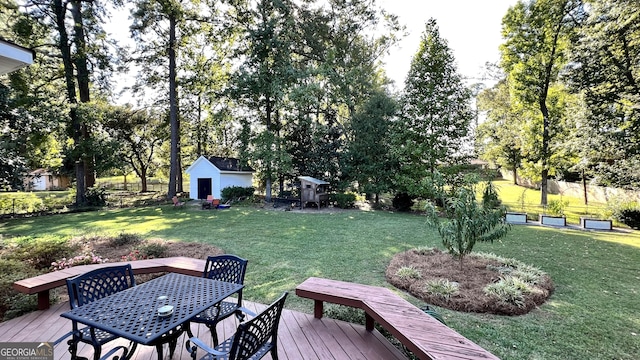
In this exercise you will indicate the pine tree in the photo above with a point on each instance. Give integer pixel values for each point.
(436, 112)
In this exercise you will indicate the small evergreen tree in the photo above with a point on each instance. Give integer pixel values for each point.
(469, 221)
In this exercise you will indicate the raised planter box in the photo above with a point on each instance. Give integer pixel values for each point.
(553, 220)
(516, 218)
(597, 224)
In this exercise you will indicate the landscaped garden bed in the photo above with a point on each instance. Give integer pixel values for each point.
(480, 283)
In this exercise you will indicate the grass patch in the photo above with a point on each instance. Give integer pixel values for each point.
(593, 313)
(520, 199)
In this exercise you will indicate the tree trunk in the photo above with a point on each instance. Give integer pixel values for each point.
(173, 109)
(179, 179)
(199, 132)
(65, 50)
(143, 179)
(82, 75)
(515, 175)
(584, 188)
(545, 151)
(268, 169)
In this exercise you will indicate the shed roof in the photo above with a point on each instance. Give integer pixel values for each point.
(313, 180)
(229, 164)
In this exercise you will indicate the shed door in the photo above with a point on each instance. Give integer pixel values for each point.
(204, 187)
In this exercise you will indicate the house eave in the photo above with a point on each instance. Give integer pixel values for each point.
(14, 57)
(235, 172)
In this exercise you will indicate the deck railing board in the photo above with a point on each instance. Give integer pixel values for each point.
(43, 283)
(408, 324)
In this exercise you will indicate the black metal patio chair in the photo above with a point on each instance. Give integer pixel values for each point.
(89, 287)
(254, 338)
(229, 268)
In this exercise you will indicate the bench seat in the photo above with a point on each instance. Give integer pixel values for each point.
(424, 336)
(41, 284)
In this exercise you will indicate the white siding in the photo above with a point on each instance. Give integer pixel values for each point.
(234, 179)
(205, 170)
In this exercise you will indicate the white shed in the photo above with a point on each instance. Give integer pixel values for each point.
(208, 176)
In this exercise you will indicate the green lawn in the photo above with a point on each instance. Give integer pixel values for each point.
(521, 199)
(594, 312)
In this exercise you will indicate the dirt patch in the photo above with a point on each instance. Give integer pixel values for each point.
(432, 275)
(103, 247)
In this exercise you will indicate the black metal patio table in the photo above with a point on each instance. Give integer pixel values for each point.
(133, 313)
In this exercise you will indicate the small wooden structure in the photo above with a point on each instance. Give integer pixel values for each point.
(43, 179)
(313, 190)
(208, 176)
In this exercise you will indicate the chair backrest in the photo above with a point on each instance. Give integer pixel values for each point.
(254, 334)
(229, 268)
(209, 198)
(215, 202)
(99, 283)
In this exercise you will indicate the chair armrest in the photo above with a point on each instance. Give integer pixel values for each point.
(199, 344)
(70, 333)
(111, 352)
(246, 311)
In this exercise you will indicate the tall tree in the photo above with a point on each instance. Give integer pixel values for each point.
(604, 67)
(155, 27)
(139, 133)
(75, 28)
(264, 75)
(32, 110)
(369, 159)
(499, 138)
(436, 112)
(536, 37)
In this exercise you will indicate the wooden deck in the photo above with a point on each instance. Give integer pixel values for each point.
(300, 336)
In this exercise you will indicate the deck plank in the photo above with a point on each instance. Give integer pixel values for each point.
(300, 337)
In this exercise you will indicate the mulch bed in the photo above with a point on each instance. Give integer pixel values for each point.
(472, 275)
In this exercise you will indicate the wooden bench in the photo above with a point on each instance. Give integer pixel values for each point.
(424, 336)
(41, 284)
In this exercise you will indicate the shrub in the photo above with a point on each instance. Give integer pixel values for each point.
(630, 217)
(556, 207)
(509, 290)
(408, 272)
(344, 200)
(53, 202)
(133, 256)
(426, 250)
(85, 259)
(96, 196)
(21, 203)
(402, 202)
(442, 287)
(125, 239)
(236, 192)
(490, 198)
(513, 268)
(40, 252)
(13, 304)
(153, 250)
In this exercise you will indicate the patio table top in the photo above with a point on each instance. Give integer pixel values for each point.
(132, 314)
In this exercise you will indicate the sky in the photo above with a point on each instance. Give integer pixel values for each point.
(471, 27)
